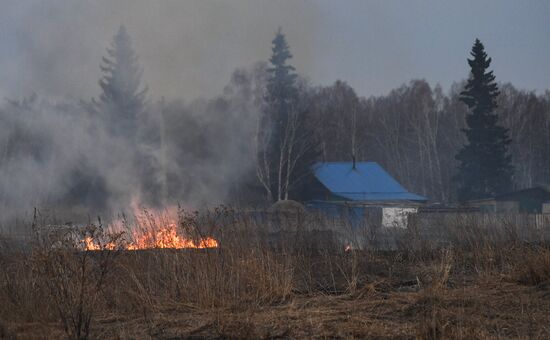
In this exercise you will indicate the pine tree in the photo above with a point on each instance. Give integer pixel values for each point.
(485, 167)
(122, 99)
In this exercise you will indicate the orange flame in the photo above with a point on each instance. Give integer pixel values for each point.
(167, 237)
(154, 231)
(90, 243)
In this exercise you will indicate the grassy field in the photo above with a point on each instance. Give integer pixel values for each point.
(255, 285)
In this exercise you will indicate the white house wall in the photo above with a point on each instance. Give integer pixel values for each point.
(396, 217)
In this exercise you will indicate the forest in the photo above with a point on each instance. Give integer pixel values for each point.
(102, 153)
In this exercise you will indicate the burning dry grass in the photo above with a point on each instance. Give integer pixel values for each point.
(262, 284)
(171, 228)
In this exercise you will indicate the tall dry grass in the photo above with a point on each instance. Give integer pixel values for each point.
(263, 260)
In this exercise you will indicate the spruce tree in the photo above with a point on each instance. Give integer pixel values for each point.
(123, 107)
(485, 166)
(281, 86)
(285, 150)
(122, 99)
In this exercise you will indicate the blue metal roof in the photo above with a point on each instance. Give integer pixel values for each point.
(367, 182)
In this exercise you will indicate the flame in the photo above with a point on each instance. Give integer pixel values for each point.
(90, 243)
(153, 230)
(167, 237)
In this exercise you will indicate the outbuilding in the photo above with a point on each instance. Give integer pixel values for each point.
(362, 191)
(535, 200)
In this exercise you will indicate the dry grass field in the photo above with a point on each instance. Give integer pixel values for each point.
(255, 285)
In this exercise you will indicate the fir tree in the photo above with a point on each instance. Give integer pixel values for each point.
(284, 142)
(281, 86)
(122, 106)
(122, 99)
(485, 167)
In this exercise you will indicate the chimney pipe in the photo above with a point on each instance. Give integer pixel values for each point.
(353, 160)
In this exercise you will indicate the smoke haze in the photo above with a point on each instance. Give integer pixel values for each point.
(190, 48)
(54, 150)
(57, 154)
(187, 48)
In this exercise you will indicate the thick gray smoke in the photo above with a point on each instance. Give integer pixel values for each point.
(58, 155)
(195, 147)
(209, 145)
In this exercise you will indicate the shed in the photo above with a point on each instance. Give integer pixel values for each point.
(361, 190)
(535, 200)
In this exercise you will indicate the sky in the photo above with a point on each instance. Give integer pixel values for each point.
(189, 49)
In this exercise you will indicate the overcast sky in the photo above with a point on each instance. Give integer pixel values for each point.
(189, 48)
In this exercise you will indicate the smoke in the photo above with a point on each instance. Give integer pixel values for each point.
(59, 155)
(210, 145)
(43, 143)
(196, 142)
(188, 49)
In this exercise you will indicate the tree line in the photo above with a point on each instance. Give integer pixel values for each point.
(256, 142)
(474, 142)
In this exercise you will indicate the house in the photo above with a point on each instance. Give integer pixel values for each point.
(535, 200)
(361, 190)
